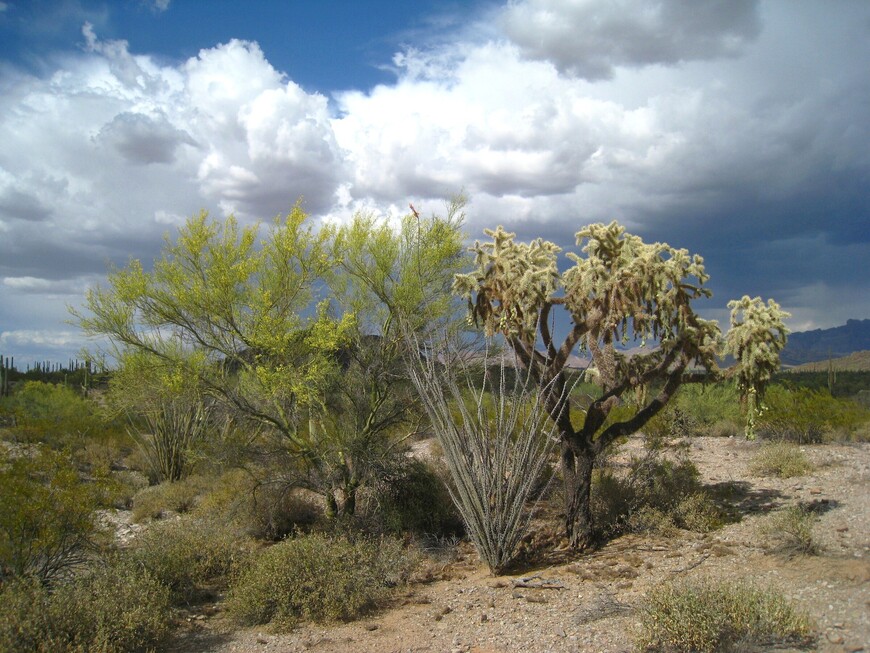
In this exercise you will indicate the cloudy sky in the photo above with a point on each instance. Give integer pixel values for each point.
(735, 128)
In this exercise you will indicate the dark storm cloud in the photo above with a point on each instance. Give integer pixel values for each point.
(591, 39)
(17, 205)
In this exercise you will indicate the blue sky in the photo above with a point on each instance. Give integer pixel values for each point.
(736, 128)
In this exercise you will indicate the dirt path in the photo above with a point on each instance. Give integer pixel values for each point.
(595, 599)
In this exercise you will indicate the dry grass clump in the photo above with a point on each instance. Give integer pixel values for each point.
(790, 531)
(179, 496)
(782, 459)
(708, 617)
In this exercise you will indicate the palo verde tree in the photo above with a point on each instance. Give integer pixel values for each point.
(243, 319)
(252, 326)
(385, 277)
(618, 290)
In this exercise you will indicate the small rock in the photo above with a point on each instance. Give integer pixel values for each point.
(560, 632)
(484, 618)
(371, 627)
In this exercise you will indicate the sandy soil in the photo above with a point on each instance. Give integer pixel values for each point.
(591, 602)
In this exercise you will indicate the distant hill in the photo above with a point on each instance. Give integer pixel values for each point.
(822, 344)
(858, 361)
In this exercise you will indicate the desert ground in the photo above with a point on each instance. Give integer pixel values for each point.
(593, 601)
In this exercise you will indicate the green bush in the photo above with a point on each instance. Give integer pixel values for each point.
(810, 416)
(267, 511)
(656, 494)
(703, 617)
(672, 422)
(713, 409)
(185, 555)
(791, 531)
(120, 487)
(114, 608)
(53, 414)
(782, 459)
(414, 498)
(317, 578)
(46, 521)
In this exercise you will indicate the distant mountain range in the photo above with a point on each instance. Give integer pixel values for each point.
(822, 344)
(858, 361)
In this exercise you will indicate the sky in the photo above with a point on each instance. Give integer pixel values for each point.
(738, 129)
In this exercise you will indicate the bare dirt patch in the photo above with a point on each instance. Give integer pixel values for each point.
(592, 601)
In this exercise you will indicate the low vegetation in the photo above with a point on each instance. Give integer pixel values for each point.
(790, 531)
(708, 617)
(655, 494)
(114, 607)
(781, 459)
(317, 578)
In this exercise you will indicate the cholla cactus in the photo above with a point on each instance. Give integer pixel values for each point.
(755, 339)
(620, 289)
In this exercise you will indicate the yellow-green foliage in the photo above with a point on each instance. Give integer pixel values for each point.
(251, 306)
(782, 459)
(46, 519)
(113, 608)
(55, 415)
(317, 578)
(811, 416)
(708, 617)
(713, 409)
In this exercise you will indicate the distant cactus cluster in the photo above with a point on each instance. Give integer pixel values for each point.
(74, 373)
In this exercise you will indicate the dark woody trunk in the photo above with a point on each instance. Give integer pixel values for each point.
(577, 471)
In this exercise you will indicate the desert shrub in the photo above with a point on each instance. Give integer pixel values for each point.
(120, 487)
(672, 422)
(181, 496)
(264, 510)
(697, 512)
(414, 498)
(724, 429)
(703, 617)
(782, 459)
(810, 416)
(46, 523)
(712, 409)
(185, 555)
(790, 531)
(114, 608)
(53, 414)
(656, 494)
(317, 578)
(647, 519)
